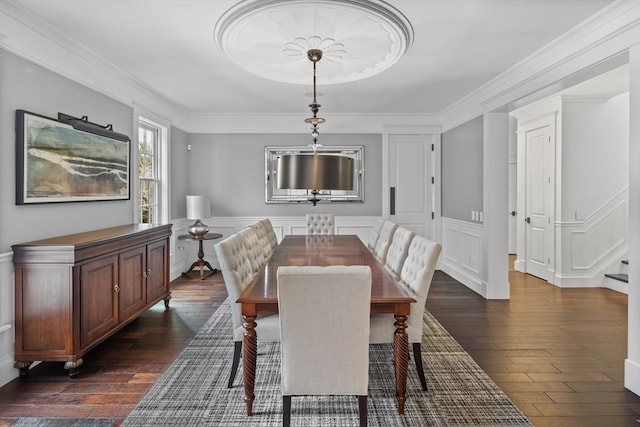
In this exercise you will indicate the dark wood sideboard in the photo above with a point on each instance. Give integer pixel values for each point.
(72, 292)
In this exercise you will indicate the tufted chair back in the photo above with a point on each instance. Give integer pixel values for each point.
(320, 224)
(255, 249)
(398, 250)
(416, 275)
(237, 272)
(271, 235)
(263, 240)
(375, 233)
(384, 240)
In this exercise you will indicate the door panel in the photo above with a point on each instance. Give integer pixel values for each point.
(157, 271)
(539, 200)
(410, 174)
(132, 294)
(98, 298)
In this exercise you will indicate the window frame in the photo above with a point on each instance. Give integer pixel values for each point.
(161, 209)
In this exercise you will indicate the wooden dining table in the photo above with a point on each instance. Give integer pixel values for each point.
(261, 297)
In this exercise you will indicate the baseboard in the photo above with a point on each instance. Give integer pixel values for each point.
(632, 376)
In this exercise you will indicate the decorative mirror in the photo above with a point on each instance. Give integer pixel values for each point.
(273, 194)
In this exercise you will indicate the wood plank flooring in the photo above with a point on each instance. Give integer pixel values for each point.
(557, 353)
(117, 373)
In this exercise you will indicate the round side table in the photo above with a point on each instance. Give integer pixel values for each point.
(201, 262)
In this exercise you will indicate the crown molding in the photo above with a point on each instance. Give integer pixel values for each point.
(599, 38)
(39, 43)
(604, 35)
(294, 123)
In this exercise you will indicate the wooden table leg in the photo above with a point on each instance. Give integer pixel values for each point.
(201, 263)
(249, 352)
(401, 357)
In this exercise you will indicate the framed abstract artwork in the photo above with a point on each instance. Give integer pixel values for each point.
(57, 163)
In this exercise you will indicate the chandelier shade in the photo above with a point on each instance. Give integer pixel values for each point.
(315, 172)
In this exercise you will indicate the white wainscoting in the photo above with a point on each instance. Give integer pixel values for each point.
(7, 323)
(461, 256)
(594, 246)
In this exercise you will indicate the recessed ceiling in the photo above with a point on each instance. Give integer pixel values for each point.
(169, 47)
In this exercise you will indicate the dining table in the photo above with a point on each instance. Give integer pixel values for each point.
(261, 297)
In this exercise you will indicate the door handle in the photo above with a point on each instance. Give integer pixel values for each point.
(528, 220)
(392, 200)
(513, 213)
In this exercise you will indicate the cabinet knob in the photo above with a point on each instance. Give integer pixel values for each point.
(149, 272)
(116, 288)
(144, 274)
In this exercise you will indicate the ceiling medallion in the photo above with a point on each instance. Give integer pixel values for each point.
(271, 38)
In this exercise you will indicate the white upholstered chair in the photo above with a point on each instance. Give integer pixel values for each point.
(271, 234)
(398, 250)
(384, 240)
(257, 253)
(324, 325)
(263, 240)
(415, 276)
(375, 233)
(320, 224)
(238, 273)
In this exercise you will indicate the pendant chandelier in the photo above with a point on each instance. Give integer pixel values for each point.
(315, 172)
(270, 38)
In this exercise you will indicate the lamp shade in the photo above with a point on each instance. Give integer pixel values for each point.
(196, 207)
(315, 172)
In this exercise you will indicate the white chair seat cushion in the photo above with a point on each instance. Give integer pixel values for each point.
(268, 329)
(383, 329)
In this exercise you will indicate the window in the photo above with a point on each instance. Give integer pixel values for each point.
(152, 188)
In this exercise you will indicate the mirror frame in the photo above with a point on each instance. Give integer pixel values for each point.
(275, 195)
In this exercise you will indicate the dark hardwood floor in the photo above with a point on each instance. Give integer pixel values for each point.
(117, 373)
(557, 353)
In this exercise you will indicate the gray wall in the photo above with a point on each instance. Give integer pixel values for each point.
(178, 172)
(229, 168)
(24, 85)
(462, 170)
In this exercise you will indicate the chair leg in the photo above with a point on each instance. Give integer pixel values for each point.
(362, 408)
(286, 411)
(237, 350)
(417, 355)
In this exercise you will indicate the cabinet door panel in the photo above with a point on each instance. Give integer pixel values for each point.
(157, 270)
(98, 298)
(132, 295)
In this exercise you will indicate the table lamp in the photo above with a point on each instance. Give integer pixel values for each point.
(196, 210)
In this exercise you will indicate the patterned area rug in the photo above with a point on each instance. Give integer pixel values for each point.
(193, 392)
(63, 422)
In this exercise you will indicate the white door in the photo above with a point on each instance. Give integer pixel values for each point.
(513, 214)
(539, 201)
(410, 183)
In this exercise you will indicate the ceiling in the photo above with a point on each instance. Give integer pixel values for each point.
(168, 46)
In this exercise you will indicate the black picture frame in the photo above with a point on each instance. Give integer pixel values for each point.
(56, 163)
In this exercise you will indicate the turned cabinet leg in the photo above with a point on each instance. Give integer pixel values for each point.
(23, 366)
(73, 367)
(166, 301)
